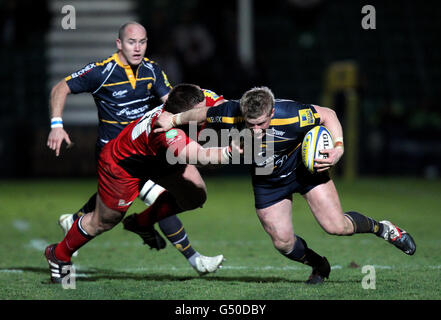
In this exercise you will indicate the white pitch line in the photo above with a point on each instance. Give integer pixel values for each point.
(376, 266)
(245, 268)
(40, 244)
(261, 268)
(11, 271)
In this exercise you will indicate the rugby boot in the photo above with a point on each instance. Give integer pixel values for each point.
(320, 272)
(149, 235)
(204, 265)
(58, 269)
(399, 238)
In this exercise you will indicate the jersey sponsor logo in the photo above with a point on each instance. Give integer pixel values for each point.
(123, 203)
(221, 119)
(173, 140)
(149, 86)
(281, 161)
(83, 71)
(217, 119)
(274, 132)
(278, 159)
(107, 68)
(119, 94)
(267, 161)
(306, 117)
(132, 113)
(171, 134)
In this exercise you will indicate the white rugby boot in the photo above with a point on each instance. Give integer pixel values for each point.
(204, 265)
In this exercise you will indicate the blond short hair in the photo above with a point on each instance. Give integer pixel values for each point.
(257, 102)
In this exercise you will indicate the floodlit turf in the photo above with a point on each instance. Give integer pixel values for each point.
(116, 265)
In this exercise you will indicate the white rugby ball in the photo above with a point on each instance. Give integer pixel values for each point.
(316, 139)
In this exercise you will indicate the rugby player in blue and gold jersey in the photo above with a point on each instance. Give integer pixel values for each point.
(283, 124)
(124, 87)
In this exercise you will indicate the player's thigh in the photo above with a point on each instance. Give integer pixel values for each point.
(191, 175)
(186, 180)
(325, 205)
(277, 221)
(186, 185)
(107, 216)
(117, 189)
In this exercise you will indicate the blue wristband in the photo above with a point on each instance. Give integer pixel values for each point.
(56, 122)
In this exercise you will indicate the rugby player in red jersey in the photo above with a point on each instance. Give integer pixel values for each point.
(124, 87)
(138, 154)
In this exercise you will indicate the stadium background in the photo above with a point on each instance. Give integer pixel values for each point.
(384, 83)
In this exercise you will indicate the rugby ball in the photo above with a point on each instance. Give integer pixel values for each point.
(316, 139)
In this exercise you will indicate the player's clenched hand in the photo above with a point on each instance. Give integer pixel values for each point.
(237, 145)
(56, 138)
(333, 157)
(164, 122)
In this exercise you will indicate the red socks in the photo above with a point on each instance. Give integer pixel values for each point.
(74, 240)
(164, 206)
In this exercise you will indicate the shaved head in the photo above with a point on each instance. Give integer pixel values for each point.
(130, 25)
(131, 43)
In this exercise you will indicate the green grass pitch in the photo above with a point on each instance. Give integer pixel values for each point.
(117, 266)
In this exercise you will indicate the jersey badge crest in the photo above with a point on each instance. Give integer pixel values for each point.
(306, 117)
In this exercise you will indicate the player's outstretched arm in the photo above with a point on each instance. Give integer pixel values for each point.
(194, 153)
(57, 100)
(167, 120)
(330, 120)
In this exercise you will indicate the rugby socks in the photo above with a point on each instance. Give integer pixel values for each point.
(173, 229)
(364, 224)
(164, 206)
(74, 240)
(164, 211)
(301, 253)
(88, 207)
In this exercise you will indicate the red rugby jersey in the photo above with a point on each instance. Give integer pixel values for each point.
(137, 146)
(211, 98)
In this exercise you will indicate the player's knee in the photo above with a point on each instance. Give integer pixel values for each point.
(202, 197)
(108, 222)
(284, 243)
(337, 229)
(197, 199)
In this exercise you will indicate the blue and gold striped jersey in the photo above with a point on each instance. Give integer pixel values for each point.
(121, 94)
(287, 128)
